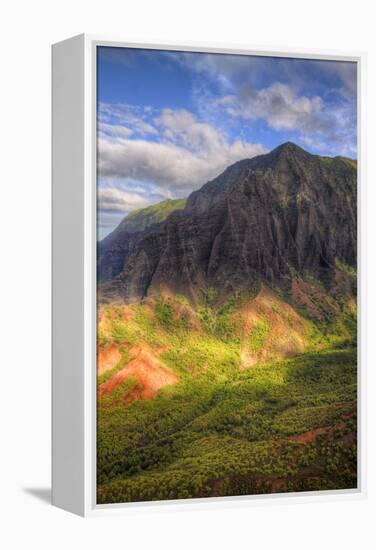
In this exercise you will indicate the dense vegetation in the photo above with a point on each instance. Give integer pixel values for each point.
(284, 424)
(139, 219)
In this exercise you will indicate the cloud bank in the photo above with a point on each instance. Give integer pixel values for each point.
(186, 154)
(282, 108)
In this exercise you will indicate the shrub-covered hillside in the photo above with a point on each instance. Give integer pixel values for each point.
(247, 396)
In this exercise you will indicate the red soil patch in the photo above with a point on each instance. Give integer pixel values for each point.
(300, 294)
(120, 312)
(151, 375)
(127, 313)
(285, 328)
(108, 358)
(310, 298)
(306, 437)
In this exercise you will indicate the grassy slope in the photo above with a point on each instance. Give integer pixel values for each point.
(138, 220)
(225, 429)
(327, 161)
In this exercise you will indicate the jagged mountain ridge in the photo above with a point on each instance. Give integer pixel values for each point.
(263, 219)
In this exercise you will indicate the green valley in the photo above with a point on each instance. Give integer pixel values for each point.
(243, 397)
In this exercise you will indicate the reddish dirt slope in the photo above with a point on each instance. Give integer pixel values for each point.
(108, 358)
(151, 375)
(286, 330)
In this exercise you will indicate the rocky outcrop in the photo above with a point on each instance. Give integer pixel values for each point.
(268, 219)
(114, 249)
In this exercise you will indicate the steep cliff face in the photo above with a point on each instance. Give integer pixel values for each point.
(114, 249)
(268, 219)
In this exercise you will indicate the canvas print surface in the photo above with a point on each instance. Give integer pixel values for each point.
(226, 268)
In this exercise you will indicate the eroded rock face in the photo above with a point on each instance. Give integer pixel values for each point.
(264, 219)
(114, 249)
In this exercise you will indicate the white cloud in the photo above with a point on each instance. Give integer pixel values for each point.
(346, 72)
(117, 200)
(321, 125)
(315, 99)
(113, 130)
(131, 116)
(231, 70)
(182, 128)
(279, 105)
(187, 154)
(134, 171)
(227, 70)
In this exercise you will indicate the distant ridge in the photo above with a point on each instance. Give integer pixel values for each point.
(140, 219)
(114, 249)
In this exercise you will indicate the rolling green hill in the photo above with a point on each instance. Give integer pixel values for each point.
(138, 220)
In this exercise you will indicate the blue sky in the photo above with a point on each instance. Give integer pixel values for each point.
(170, 121)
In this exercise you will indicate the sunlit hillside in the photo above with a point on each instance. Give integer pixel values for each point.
(247, 396)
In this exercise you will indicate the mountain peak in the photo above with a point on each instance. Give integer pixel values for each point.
(262, 219)
(289, 147)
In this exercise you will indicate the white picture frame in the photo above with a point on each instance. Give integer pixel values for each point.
(74, 278)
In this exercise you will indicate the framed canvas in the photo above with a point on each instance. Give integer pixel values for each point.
(207, 283)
